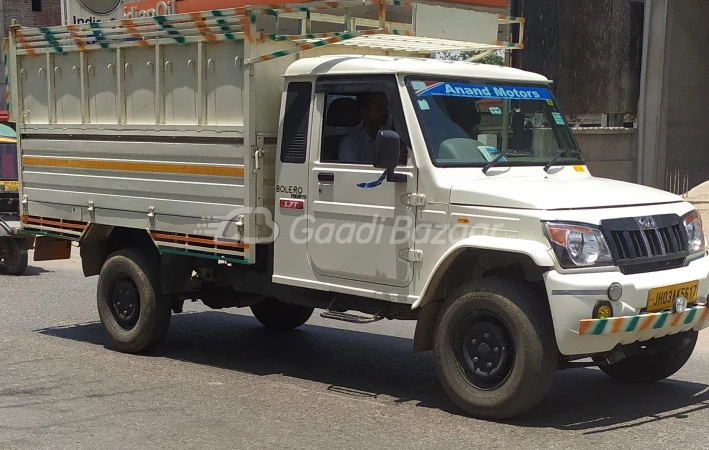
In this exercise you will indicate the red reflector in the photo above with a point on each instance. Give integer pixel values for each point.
(287, 203)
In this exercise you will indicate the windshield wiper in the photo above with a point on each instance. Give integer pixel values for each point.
(559, 154)
(508, 152)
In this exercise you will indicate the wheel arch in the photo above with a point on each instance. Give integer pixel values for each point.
(100, 241)
(521, 260)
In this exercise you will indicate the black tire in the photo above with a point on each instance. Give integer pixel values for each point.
(15, 260)
(130, 277)
(279, 316)
(502, 323)
(655, 366)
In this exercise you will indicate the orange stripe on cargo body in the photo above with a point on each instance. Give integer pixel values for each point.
(38, 221)
(246, 25)
(134, 166)
(78, 41)
(133, 30)
(23, 42)
(202, 26)
(186, 238)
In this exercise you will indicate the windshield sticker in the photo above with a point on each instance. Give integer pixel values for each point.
(495, 110)
(489, 153)
(481, 91)
(550, 103)
(423, 104)
(558, 118)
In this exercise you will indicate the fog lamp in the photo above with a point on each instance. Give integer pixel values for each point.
(615, 291)
(602, 310)
(679, 305)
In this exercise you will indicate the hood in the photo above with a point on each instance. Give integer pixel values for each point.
(550, 194)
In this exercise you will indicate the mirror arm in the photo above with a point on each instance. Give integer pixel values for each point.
(393, 177)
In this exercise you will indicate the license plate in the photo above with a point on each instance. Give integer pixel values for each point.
(11, 185)
(661, 298)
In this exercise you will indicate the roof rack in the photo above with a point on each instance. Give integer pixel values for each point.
(390, 25)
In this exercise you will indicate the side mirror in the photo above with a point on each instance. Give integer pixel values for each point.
(386, 150)
(386, 154)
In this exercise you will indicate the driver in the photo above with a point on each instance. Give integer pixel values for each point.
(358, 147)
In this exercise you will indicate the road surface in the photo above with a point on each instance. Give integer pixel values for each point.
(222, 381)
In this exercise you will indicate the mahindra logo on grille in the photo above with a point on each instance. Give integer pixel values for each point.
(647, 222)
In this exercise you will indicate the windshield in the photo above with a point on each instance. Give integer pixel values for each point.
(470, 124)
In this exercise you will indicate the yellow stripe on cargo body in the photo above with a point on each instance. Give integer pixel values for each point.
(134, 166)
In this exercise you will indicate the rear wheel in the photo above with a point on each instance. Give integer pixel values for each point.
(133, 310)
(279, 316)
(656, 366)
(15, 259)
(494, 348)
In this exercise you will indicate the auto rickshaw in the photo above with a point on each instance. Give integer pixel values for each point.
(13, 244)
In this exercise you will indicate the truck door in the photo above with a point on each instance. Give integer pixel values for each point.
(357, 233)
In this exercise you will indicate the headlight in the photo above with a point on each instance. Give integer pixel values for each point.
(695, 234)
(578, 245)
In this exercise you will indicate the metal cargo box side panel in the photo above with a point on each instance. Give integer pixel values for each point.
(66, 73)
(131, 174)
(33, 79)
(102, 86)
(224, 77)
(184, 176)
(139, 73)
(180, 73)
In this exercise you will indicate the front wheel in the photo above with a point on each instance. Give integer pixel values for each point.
(280, 316)
(494, 348)
(15, 258)
(133, 310)
(651, 367)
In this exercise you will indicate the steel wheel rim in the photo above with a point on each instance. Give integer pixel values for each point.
(125, 302)
(484, 350)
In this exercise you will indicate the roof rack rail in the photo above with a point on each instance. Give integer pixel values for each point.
(408, 27)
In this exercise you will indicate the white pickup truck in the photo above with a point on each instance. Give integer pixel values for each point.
(256, 158)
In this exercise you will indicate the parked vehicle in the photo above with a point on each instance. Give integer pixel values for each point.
(13, 244)
(201, 157)
(9, 187)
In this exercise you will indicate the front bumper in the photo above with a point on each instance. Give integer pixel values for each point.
(573, 296)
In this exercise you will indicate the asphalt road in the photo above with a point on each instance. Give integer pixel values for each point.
(221, 381)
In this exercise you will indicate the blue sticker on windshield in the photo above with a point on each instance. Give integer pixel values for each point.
(558, 118)
(481, 91)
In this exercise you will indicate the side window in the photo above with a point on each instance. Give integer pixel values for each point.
(351, 119)
(295, 123)
(342, 118)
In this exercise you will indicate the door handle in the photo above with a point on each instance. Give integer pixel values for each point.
(326, 177)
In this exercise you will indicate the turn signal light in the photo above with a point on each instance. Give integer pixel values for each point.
(602, 310)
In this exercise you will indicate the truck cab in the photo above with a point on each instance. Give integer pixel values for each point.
(490, 185)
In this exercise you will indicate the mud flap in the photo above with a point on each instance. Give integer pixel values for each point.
(50, 249)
